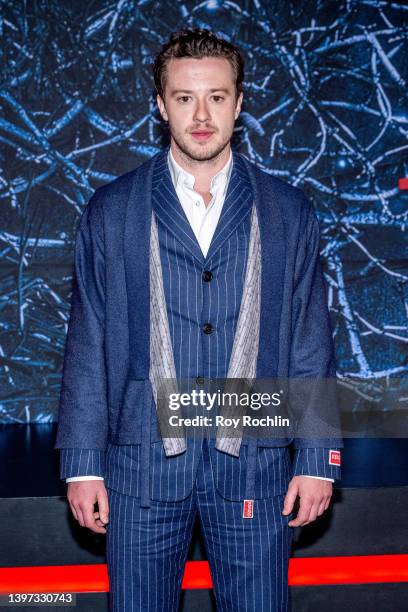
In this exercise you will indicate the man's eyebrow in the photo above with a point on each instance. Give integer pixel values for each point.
(189, 91)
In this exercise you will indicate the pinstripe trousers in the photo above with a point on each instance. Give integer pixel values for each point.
(147, 549)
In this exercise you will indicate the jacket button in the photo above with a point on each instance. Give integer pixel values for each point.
(207, 328)
(200, 380)
(207, 275)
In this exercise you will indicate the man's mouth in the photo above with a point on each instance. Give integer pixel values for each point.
(202, 134)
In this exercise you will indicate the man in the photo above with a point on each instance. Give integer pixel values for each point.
(196, 265)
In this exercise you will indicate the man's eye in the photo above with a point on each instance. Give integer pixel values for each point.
(217, 98)
(183, 98)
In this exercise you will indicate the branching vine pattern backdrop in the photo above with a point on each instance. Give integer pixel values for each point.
(325, 109)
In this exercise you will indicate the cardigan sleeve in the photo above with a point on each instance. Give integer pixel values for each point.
(83, 407)
(312, 370)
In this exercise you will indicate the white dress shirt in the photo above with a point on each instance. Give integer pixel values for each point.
(203, 220)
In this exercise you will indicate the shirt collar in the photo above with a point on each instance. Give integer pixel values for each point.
(179, 175)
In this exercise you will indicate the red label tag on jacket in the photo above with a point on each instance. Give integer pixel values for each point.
(334, 457)
(248, 508)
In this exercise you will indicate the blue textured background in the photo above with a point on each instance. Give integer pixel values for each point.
(325, 109)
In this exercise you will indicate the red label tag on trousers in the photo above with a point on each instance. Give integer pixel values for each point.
(248, 508)
(334, 457)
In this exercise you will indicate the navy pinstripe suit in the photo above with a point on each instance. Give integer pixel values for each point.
(147, 547)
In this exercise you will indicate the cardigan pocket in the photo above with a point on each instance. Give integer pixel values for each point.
(133, 413)
(129, 420)
(272, 472)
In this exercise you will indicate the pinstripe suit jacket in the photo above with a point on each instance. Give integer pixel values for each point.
(113, 322)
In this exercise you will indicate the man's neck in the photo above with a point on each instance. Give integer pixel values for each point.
(203, 171)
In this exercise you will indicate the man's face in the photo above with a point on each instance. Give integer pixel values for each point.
(200, 105)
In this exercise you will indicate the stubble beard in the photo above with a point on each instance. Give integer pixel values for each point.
(200, 153)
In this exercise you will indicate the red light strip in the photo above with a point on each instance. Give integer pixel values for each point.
(54, 579)
(403, 183)
(197, 575)
(348, 570)
(305, 571)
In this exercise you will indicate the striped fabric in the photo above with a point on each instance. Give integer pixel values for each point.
(173, 479)
(154, 497)
(309, 461)
(242, 364)
(82, 462)
(147, 550)
(191, 302)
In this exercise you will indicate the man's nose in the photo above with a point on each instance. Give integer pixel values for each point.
(201, 112)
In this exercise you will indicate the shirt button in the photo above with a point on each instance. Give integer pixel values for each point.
(207, 328)
(207, 275)
(198, 203)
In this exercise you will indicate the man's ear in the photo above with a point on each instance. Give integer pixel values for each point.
(239, 104)
(162, 108)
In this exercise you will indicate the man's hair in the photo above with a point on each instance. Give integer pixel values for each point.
(197, 43)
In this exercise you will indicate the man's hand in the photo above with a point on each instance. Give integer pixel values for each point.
(314, 499)
(82, 496)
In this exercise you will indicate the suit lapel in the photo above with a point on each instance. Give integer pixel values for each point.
(237, 204)
(169, 211)
(136, 247)
(270, 199)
